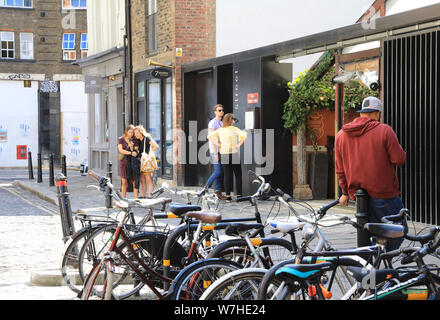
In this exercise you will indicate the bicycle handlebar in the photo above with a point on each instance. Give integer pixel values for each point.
(396, 217)
(105, 182)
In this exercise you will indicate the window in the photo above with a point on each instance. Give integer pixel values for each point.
(69, 52)
(84, 45)
(7, 46)
(74, 4)
(152, 38)
(26, 45)
(16, 3)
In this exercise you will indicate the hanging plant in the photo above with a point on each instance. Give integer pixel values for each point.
(354, 94)
(311, 90)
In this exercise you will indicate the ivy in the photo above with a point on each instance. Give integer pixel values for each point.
(311, 90)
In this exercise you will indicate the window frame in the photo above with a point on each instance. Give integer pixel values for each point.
(7, 47)
(3, 4)
(70, 7)
(21, 45)
(85, 50)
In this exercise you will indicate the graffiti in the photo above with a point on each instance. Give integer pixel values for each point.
(19, 76)
(25, 129)
(48, 86)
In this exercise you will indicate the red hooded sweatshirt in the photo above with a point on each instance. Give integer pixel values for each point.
(366, 152)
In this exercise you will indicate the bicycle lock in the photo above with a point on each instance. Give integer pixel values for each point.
(65, 208)
(363, 237)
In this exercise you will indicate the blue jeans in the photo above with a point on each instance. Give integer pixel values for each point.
(378, 208)
(217, 176)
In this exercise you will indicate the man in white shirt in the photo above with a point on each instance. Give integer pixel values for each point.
(217, 176)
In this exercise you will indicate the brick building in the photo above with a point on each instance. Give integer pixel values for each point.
(42, 105)
(171, 33)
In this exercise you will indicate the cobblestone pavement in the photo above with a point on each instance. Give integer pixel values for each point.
(31, 236)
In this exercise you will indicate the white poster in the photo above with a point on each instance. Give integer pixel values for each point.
(74, 122)
(18, 123)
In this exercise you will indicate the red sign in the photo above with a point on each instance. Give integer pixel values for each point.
(21, 152)
(252, 98)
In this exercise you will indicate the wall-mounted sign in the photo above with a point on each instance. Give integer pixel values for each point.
(252, 98)
(179, 52)
(92, 84)
(161, 73)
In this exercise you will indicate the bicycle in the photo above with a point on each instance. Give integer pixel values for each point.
(131, 258)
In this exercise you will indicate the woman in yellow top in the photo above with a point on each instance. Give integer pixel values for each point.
(229, 140)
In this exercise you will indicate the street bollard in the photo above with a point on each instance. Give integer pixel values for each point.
(108, 196)
(63, 165)
(65, 209)
(363, 237)
(39, 169)
(30, 168)
(51, 173)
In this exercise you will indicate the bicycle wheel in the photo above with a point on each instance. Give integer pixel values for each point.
(95, 284)
(94, 248)
(237, 285)
(126, 282)
(271, 251)
(192, 281)
(69, 259)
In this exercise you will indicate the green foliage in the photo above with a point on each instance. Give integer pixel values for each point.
(311, 90)
(354, 94)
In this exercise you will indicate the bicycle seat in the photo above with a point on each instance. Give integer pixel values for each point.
(377, 277)
(180, 208)
(234, 229)
(387, 231)
(303, 271)
(285, 227)
(205, 216)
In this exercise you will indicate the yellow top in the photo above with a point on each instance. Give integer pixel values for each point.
(229, 138)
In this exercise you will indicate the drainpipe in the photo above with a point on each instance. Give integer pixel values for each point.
(128, 52)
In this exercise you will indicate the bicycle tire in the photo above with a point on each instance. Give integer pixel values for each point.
(192, 281)
(95, 283)
(148, 246)
(241, 284)
(238, 250)
(93, 249)
(69, 260)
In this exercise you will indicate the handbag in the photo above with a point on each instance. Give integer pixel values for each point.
(121, 156)
(148, 161)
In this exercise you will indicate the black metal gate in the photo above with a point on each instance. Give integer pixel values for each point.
(411, 107)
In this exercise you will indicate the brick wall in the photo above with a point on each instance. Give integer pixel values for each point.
(185, 24)
(45, 21)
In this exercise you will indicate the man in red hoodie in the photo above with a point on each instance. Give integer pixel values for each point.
(366, 152)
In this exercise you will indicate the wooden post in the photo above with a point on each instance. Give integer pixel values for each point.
(302, 189)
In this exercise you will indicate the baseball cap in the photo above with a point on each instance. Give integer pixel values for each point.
(371, 104)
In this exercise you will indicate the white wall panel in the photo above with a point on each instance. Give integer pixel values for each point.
(18, 121)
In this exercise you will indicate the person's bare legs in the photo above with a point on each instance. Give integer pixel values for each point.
(124, 186)
(150, 184)
(143, 183)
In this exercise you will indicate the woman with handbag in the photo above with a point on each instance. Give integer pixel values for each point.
(148, 163)
(126, 151)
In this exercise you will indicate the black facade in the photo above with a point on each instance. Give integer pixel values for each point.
(256, 85)
(411, 102)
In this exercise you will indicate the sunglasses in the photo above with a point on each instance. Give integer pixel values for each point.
(220, 110)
